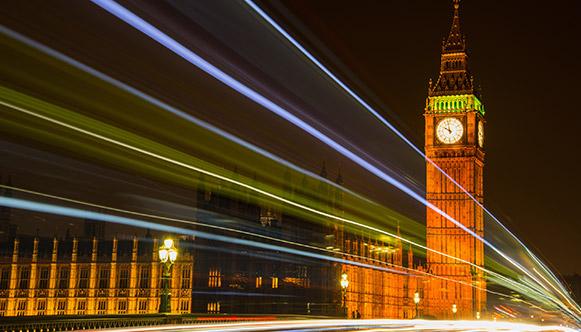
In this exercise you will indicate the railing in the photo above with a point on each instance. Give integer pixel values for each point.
(94, 322)
(21, 293)
(122, 292)
(102, 292)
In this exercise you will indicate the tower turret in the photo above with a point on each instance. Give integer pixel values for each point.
(454, 141)
(455, 77)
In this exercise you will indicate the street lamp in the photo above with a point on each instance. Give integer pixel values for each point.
(417, 301)
(454, 310)
(344, 285)
(167, 255)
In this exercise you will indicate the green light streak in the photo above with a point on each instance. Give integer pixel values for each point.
(101, 128)
(413, 272)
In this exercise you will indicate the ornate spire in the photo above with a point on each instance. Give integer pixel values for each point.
(455, 77)
(455, 41)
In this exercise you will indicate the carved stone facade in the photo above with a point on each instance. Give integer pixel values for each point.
(40, 276)
(454, 99)
(387, 290)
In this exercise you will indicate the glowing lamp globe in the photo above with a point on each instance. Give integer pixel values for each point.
(167, 252)
(163, 254)
(168, 243)
(416, 297)
(344, 281)
(173, 255)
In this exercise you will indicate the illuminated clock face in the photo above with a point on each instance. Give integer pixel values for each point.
(481, 134)
(449, 130)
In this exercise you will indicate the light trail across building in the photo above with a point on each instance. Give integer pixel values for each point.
(412, 272)
(6, 93)
(160, 37)
(393, 129)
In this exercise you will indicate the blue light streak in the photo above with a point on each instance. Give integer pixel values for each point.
(378, 116)
(164, 106)
(418, 274)
(244, 185)
(196, 60)
(295, 43)
(103, 217)
(138, 23)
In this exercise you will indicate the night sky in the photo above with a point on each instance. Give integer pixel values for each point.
(524, 55)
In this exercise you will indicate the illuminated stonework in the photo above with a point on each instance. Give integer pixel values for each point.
(376, 293)
(463, 160)
(453, 104)
(88, 277)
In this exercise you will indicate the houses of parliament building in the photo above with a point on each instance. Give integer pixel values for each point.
(92, 274)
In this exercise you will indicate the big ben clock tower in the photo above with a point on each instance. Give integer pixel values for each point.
(454, 141)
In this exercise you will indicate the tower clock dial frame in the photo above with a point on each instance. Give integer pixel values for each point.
(449, 130)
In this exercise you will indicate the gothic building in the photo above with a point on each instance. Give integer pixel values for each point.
(44, 276)
(244, 280)
(454, 143)
(92, 274)
(231, 278)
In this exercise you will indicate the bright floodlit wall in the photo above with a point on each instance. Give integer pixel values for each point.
(49, 276)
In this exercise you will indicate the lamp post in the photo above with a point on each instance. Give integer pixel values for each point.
(454, 310)
(167, 256)
(417, 301)
(344, 285)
